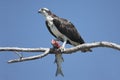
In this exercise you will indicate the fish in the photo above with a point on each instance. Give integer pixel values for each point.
(58, 60)
(58, 57)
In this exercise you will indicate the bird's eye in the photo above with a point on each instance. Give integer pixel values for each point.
(42, 10)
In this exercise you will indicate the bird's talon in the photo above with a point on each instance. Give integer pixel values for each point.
(62, 49)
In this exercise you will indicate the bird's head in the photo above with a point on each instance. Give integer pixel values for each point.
(44, 11)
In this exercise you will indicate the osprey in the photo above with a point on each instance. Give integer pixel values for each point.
(64, 31)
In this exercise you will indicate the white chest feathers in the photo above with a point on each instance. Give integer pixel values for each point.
(54, 30)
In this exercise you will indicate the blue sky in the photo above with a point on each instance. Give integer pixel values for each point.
(22, 26)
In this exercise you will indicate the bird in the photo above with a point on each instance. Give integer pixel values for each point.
(63, 30)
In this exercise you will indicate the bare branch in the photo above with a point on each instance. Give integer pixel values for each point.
(52, 51)
(17, 49)
(93, 45)
(30, 58)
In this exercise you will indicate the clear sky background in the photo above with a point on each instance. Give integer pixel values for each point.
(22, 26)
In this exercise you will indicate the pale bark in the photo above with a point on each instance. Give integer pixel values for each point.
(47, 51)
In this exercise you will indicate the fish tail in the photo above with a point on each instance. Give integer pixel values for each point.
(59, 71)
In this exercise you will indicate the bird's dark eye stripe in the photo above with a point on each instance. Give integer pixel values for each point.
(47, 11)
(44, 10)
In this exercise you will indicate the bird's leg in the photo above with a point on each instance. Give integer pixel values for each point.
(62, 48)
(64, 43)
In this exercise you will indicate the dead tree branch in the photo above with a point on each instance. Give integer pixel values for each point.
(30, 58)
(52, 51)
(93, 45)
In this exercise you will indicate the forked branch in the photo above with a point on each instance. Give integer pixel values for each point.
(52, 51)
